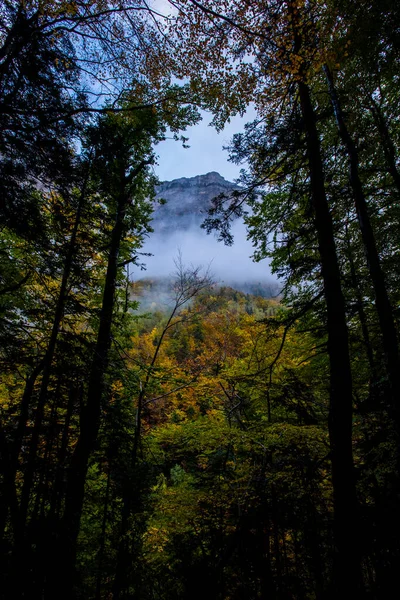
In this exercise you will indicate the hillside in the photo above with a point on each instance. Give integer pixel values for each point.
(177, 228)
(187, 201)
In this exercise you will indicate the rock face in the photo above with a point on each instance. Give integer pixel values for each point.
(176, 226)
(187, 201)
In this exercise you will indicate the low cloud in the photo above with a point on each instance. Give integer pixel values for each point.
(227, 263)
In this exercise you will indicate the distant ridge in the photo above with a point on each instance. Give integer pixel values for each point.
(177, 228)
(187, 201)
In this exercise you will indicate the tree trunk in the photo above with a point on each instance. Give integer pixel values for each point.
(48, 360)
(360, 310)
(8, 498)
(103, 536)
(123, 555)
(56, 498)
(10, 454)
(346, 560)
(383, 305)
(91, 412)
(61, 580)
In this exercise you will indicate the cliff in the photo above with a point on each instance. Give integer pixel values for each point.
(187, 201)
(177, 228)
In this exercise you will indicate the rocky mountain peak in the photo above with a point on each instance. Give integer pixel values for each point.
(187, 200)
(212, 178)
(176, 226)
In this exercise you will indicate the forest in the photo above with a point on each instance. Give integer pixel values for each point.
(224, 446)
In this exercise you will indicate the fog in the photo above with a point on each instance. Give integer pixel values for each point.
(229, 265)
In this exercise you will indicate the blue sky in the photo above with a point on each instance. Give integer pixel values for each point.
(205, 153)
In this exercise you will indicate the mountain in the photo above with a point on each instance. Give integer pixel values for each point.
(177, 229)
(187, 201)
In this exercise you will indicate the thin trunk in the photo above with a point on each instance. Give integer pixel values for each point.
(24, 413)
(103, 537)
(62, 455)
(268, 396)
(383, 305)
(346, 571)
(360, 310)
(91, 412)
(267, 586)
(11, 453)
(387, 144)
(123, 555)
(8, 498)
(127, 290)
(48, 359)
(50, 557)
(347, 563)
(51, 439)
(314, 543)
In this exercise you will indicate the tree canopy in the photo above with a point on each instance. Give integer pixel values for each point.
(230, 446)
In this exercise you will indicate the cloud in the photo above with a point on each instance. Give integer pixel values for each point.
(228, 263)
(164, 7)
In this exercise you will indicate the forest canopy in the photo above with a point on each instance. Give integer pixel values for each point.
(227, 446)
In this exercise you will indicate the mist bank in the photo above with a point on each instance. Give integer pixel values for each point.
(177, 230)
(228, 264)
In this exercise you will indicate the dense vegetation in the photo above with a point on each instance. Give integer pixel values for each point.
(230, 446)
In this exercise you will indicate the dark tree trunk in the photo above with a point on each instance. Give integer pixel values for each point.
(346, 560)
(383, 305)
(10, 454)
(267, 586)
(48, 360)
(360, 310)
(61, 580)
(8, 497)
(103, 537)
(91, 412)
(387, 144)
(49, 556)
(314, 543)
(123, 555)
(73, 396)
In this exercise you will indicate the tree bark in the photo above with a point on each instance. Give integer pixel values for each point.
(360, 310)
(103, 536)
(10, 453)
(383, 305)
(123, 555)
(48, 360)
(346, 560)
(91, 412)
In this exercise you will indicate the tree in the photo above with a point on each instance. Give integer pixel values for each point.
(223, 518)
(285, 55)
(187, 283)
(123, 153)
(60, 63)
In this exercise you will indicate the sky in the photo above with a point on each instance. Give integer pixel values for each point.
(205, 153)
(228, 264)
